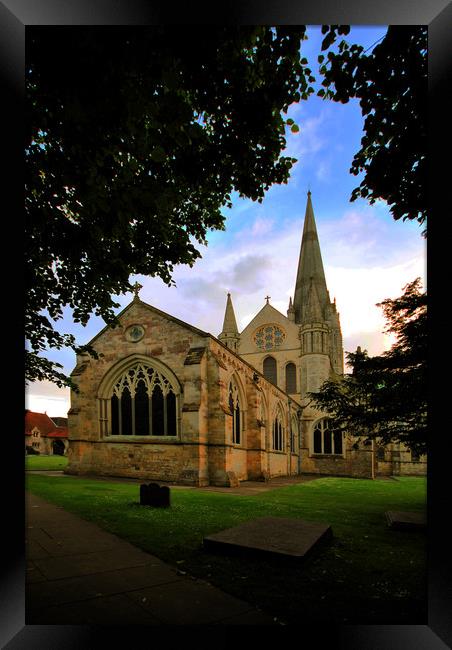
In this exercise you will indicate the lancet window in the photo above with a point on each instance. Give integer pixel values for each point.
(143, 403)
(234, 407)
(278, 432)
(326, 438)
(269, 368)
(291, 378)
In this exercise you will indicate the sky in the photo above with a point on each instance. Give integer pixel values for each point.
(367, 256)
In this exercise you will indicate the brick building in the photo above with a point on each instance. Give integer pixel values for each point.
(44, 435)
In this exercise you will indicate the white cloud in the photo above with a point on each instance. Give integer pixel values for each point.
(358, 290)
(310, 139)
(362, 267)
(262, 226)
(45, 397)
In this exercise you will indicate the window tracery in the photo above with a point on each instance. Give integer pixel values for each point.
(269, 337)
(326, 438)
(143, 403)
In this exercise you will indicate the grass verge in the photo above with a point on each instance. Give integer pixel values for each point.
(368, 574)
(45, 462)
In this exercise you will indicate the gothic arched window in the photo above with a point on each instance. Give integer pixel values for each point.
(291, 378)
(326, 438)
(270, 370)
(143, 402)
(278, 432)
(234, 406)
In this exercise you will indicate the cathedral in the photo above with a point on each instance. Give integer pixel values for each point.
(166, 401)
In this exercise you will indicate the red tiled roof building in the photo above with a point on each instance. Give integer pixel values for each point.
(43, 435)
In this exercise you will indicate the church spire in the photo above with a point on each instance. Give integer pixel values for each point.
(310, 268)
(229, 323)
(230, 333)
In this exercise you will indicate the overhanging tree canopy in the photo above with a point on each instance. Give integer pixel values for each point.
(391, 84)
(136, 138)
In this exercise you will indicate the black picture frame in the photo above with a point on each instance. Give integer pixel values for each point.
(15, 16)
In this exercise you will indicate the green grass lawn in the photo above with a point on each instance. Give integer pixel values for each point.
(368, 574)
(45, 462)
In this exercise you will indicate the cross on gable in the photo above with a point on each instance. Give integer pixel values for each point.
(136, 288)
(267, 298)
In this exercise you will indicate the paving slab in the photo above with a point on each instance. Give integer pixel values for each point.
(197, 604)
(278, 537)
(406, 520)
(113, 582)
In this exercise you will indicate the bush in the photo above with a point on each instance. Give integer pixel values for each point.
(31, 451)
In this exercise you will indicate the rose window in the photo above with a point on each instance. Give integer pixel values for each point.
(269, 337)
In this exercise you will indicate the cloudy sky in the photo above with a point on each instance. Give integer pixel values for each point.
(367, 255)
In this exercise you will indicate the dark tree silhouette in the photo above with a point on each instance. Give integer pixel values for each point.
(391, 84)
(384, 398)
(135, 139)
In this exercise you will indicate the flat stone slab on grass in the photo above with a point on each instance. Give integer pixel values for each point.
(273, 536)
(406, 520)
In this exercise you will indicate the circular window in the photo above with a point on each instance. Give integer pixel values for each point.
(134, 333)
(269, 337)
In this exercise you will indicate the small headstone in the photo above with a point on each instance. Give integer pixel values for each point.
(154, 495)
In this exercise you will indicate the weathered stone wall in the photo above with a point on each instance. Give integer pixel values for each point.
(397, 460)
(174, 461)
(353, 462)
(203, 452)
(183, 458)
(251, 459)
(278, 463)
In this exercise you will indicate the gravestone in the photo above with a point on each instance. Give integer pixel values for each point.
(154, 495)
(276, 537)
(406, 520)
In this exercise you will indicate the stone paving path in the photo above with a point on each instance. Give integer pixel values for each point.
(79, 574)
(246, 488)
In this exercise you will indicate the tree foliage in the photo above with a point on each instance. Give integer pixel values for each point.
(135, 139)
(391, 84)
(384, 397)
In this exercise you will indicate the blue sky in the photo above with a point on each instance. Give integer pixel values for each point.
(367, 255)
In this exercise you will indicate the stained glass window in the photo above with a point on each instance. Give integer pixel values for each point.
(269, 337)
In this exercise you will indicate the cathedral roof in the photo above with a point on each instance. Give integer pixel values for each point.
(195, 354)
(137, 301)
(268, 314)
